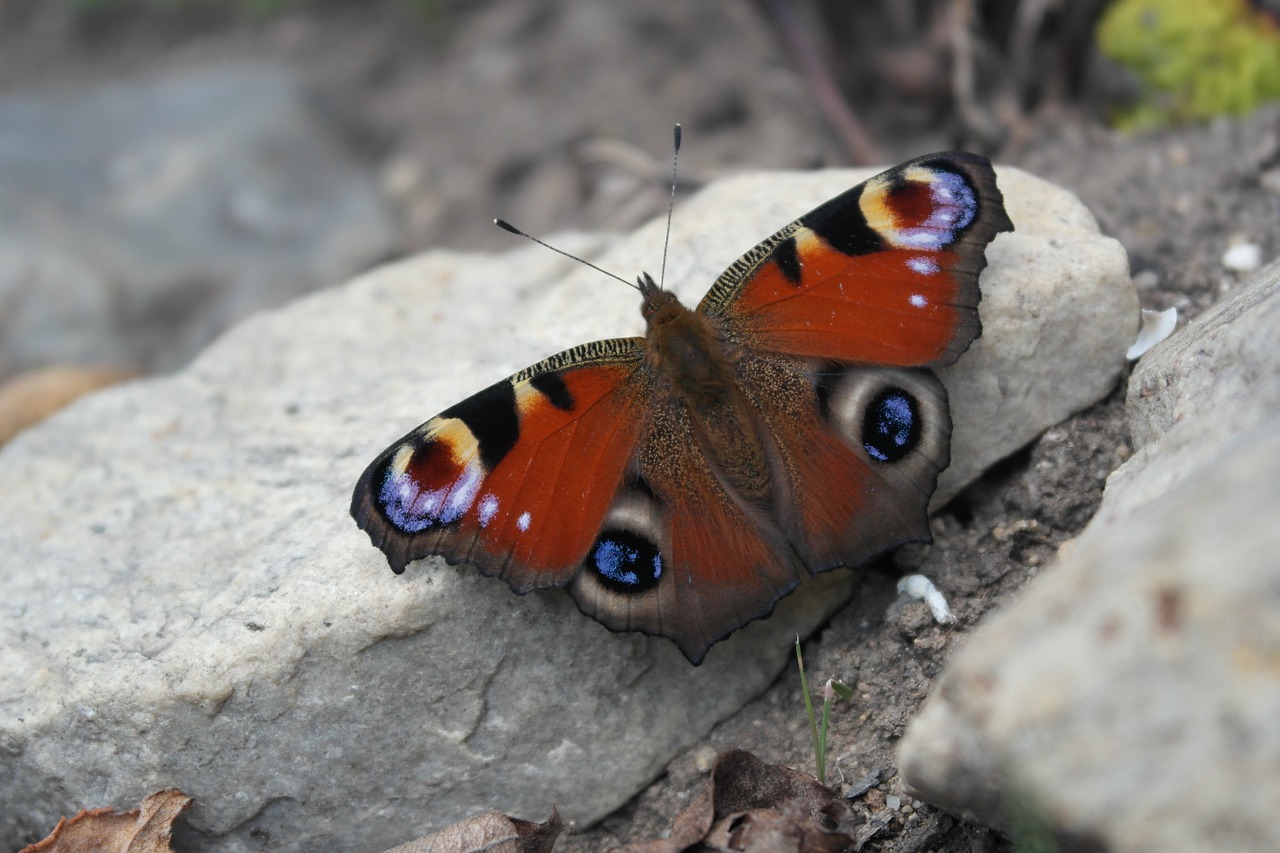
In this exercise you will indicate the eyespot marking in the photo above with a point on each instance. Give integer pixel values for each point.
(428, 487)
(625, 562)
(891, 427)
(951, 206)
(924, 207)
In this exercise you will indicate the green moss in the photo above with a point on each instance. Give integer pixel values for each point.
(1195, 58)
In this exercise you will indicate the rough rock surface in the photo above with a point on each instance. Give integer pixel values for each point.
(140, 219)
(185, 601)
(1130, 697)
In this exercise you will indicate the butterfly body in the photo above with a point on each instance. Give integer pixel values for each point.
(679, 484)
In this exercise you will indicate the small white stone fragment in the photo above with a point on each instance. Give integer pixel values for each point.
(1146, 280)
(1156, 326)
(1243, 257)
(921, 588)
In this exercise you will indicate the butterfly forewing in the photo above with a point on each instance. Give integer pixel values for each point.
(517, 478)
(885, 273)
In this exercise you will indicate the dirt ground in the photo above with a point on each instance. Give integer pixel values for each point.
(572, 130)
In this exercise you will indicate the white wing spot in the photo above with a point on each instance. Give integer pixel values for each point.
(918, 300)
(523, 521)
(922, 265)
(488, 509)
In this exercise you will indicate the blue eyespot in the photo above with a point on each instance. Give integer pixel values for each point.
(625, 562)
(891, 426)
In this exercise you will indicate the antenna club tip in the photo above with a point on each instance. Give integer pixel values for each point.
(675, 134)
(507, 226)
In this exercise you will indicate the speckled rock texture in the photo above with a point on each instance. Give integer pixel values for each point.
(1130, 697)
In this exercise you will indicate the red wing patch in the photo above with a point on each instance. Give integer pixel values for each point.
(515, 479)
(886, 273)
(700, 564)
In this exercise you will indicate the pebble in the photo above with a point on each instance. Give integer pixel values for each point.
(1243, 257)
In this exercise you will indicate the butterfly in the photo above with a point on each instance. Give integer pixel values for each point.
(680, 483)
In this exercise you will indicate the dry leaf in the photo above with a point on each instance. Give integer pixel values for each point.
(691, 826)
(761, 830)
(490, 833)
(142, 830)
(753, 807)
(29, 398)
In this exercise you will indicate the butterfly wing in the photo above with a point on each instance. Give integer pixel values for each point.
(839, 314)
(679, 555)
(858, 451)
(575, 472)
(885, 273)
(516, 478)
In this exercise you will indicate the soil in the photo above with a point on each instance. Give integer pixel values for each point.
(558, 115)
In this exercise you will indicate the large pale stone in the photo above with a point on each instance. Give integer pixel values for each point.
(185, 601)
(1131, 695)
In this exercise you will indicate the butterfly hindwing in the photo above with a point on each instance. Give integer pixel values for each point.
(859, 450)
(885, 273)
(680, 554)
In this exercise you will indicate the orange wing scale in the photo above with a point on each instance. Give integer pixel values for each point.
(894, 307)
(555, 485)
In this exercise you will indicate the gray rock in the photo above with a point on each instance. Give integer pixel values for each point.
(1131, 695)
(1059, 292)
(184, 600)
(142, 219)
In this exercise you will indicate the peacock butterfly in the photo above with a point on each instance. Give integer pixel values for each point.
(679, 483)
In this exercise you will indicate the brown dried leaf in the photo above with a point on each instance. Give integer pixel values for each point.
(690, 827)
(489, 833)
(751, 807)
(744, 782)
(28, 398)
(142, 830)
(770, 831)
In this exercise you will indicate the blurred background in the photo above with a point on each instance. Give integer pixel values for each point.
(169, 166)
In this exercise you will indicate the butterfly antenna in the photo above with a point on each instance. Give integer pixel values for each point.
(671, 204)
(507, 226)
